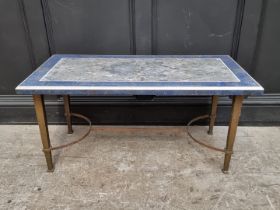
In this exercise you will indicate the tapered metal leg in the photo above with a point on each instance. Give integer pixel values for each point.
(235, 114)
(67, 113)
(42, 121)
(213, 114)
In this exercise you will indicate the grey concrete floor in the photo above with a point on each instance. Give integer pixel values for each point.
(139, 168)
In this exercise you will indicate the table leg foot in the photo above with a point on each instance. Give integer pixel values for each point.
(210, 132)
(50, 170)
(70, 131)
(225, 172)
(48, 157)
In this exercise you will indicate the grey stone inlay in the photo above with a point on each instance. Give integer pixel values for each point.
(141, 70)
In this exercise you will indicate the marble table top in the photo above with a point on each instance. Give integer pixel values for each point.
(140, 75)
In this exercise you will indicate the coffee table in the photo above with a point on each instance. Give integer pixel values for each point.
(139, 75)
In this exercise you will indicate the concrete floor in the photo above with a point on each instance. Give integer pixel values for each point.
(139, 168)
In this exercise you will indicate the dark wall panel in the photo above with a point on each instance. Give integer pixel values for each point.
(37, 29)
(249, 34)
(194, 26)
(15, 59)
(266, 64)
(89, 26)
(143, 26)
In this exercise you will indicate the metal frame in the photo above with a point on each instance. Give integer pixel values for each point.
(42, 121)
(234, 119)
(43, 126)
(67, 113)
(213, 114)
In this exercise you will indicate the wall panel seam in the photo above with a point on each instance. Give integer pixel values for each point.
(154, 23)
(27, 34)
(48, 26)
(132, 35)
(237, 28)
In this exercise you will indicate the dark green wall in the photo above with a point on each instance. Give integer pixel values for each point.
(32, 30)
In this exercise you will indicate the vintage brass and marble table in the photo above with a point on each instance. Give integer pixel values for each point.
(96, 75)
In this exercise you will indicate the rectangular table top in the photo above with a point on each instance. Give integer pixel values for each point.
(162, 75)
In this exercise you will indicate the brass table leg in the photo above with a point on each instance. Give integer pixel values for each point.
(213, 114)
(67, 113)
(235, 114)
(42, 121)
